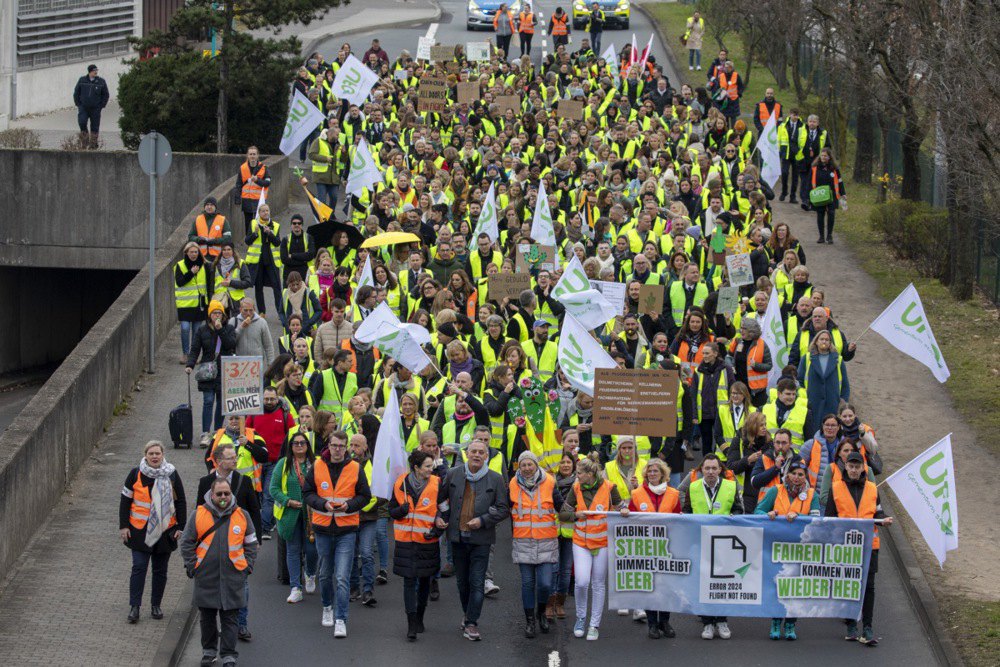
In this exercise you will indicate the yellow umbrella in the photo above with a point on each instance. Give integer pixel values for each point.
(390, 238)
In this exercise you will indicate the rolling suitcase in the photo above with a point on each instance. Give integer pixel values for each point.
(182, 423)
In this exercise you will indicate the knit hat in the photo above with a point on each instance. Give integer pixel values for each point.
(448, 329)
(527, 456)
(211, 200)
(215, 306)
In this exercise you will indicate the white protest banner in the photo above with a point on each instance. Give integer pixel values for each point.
(770, 160)
(541, 224)
(580, 355)
(401, 341)
(610, 56)
(366, 277)
(487, 223)
(242, 385)
(364, 173)
(389, 458)
(740, 269)
(904, 324)
(591, 308)
(424, 45)
(354, 81)
(477, 52)
(773, 332)
(303, 118)
(926, 488)
(614, 292)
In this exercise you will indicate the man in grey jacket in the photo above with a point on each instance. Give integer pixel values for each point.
(219, 546)
(479, 501)
(253, 338)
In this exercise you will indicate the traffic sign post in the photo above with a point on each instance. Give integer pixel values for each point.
(155, 156)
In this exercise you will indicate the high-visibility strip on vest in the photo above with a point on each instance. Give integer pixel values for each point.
(591, 532)
(678, 299)
(254, 249)
(142, 503)
(783, 504)
(847, 509)
(534, 514)
(235, 534)
(729, 84)
(245, 463)
(756, 379)
(836, 338)
(319, 167)
(668, 501)
(836, 182)
(764, 115)
(526, 23)
(340, 493)
(546, 364)
(724, 497)
(213, 232)
(559, 25)
(775, 481)
(795, 420)
(334, 399)
(251, 190)
(368, 476)
(419, 520)
(191, 294)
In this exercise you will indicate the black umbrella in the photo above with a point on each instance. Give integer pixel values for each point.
(323, 233)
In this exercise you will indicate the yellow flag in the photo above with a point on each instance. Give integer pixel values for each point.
(321, 210)
(547, 448)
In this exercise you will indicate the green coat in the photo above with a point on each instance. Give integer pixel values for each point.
(284, 489)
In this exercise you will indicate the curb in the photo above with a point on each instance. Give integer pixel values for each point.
(179, 628)
(919, 592)
(311, 46)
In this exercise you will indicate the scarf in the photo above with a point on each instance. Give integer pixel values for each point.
(658, 489)
(853, 431)
(226, 265)
(296, 299)
(162, 504)
(529, 484)
(461, 367)
(473, 477)
(415, 483)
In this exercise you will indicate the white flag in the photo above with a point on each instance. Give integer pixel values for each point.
(261, 202)
(591, 308)
(904, 324)
(645, 54)
(541, 225)
(363, 173)
(389, 458)
(633, 55)
(487, 223)
(610, 56)
(303, 118)
(773, 333)
(400, 341)
(580, 355)
(770, 161)
(926, 488)
(366, 277)
(353, 81)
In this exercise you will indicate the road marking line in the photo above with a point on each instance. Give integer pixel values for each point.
(554, 660)
(431, 31)
(544, 43)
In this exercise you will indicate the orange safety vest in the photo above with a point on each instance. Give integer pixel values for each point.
(684, 351)
(815, 453)
(420, 519)
(757, 379)
(142, 502)
(204, 521)
(764, 114)
(510, 18)
(343, 492)
(591, 532)
(768, 463)
(251, 190)
(783, 504)
(534, 514)
(729, 85)
(559, 25)
(846, 508)
(346, 345)
(256, 472)
(645, 502)
(836, 182)
(527, 23)
(201, 226)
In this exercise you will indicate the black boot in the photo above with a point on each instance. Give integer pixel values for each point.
(543, 621)
(411, 627)
(529, 623)
(156, 612)
(435, 590)
(420, 618)
(133, 615)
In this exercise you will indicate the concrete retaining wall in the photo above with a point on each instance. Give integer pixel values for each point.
(58, 429)
(101, 220)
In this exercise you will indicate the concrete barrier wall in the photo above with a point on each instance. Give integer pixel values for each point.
(101, 220)
(55, 433)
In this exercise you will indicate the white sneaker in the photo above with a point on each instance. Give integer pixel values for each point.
(699, 68)
(295, 596)
(638, 615)
(623, 612)
(310, 584)
(593, 634)
(340, 629)
(723, 630)
(691, 67)
(708, 632)
(490, 589)
(327, 617)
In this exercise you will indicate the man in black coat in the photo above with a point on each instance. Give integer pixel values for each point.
(242, 486)
(90, 96)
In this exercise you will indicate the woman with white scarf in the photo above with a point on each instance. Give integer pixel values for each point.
(151, 516)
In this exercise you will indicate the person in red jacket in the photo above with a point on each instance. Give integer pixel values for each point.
(273, 426)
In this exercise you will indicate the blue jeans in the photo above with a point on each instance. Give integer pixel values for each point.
(336, 553)
(363, 565)
(208, 402)
(471, 561)
(694, 57)
(595, 42)
(293, 555)
(535, 575)
(382, 540)
(186, 336)
(564, 572)
(264, 275)
(327, 193)
(243, 618)
(137, 582)
(267, 502)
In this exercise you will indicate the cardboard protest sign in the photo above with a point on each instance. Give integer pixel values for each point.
(635, 402)
(508, 285)
(468, 92)
(432, 94)
(512, 102)
(242, 385)
(477, 52)
(729, 300)
(534, 256)
(442, 54)
(570, 109)
(651, 299)
(740, 270)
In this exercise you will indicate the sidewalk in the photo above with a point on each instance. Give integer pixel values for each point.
(58, 125)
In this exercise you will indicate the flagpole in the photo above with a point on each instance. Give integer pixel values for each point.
(867, 329)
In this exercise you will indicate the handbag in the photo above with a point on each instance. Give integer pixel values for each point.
(821, 195)
(207, 371)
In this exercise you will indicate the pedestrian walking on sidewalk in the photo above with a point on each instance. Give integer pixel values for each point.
(219, 546)
(90, 96)
(151, 516)
(212, 341)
